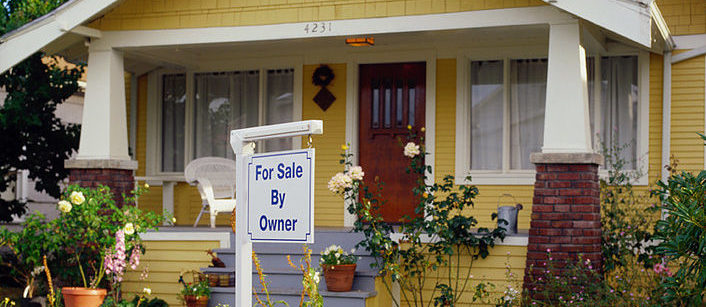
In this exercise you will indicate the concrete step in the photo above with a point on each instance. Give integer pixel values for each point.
(226, 295)
(278, 259)
(290, 278)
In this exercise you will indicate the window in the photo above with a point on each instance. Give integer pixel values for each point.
(617, 124)
(501, 114)
(173, 107)
(221, 102)
(507, 113)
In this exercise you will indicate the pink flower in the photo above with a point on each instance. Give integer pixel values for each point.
(135, 258)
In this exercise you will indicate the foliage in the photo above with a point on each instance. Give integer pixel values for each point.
(335, 255)
(683, 235)
(6, 302)
(627, 216)
(137, 301)
(310, 280)
(28, 246)
(33, 138)
(196, 289)
(87, 232)
(267, 302)
(438, 236)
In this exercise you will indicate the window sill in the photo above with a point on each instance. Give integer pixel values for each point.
(526, 177)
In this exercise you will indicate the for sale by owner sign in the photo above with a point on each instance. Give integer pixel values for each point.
(281, 196)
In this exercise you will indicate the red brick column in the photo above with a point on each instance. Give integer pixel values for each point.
(566, 216)
(116, 174)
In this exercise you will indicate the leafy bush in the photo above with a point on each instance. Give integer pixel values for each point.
(683, 235)
(438, 236)
(335, 255)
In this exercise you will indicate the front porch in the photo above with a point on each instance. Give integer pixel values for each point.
(173, 250)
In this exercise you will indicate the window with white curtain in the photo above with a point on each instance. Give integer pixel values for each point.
(507, 113)
(173, 107)
(617, 123)
(221, 102)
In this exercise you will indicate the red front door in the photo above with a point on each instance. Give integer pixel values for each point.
(392, 96)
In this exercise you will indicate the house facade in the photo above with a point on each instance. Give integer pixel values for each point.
(491, 83)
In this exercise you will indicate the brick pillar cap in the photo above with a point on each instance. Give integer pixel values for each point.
(566, 158)
(101, 164)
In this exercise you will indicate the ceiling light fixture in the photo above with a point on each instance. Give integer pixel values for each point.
(360, 41)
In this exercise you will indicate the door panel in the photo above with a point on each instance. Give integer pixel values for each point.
(392, 96)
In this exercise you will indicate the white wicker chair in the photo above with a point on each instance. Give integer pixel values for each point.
(216, 183)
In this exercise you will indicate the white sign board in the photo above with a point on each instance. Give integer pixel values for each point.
(280, 194)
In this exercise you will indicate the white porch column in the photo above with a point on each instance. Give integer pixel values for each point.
(104, 127)
(566, 119)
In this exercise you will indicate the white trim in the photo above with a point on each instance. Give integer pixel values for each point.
(133, 116)
(626, 18)
(222, 237)
(352, 126)
(350, 27)
(85, 31)
(689, 41)
(666, 113)
(643, 120)
(689, 54)
(510, 239)
(19, 44)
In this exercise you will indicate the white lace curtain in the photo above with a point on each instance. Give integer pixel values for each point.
(528, 88)
(173, 107)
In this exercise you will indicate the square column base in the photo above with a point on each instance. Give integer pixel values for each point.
(566, 214)
(118, 175)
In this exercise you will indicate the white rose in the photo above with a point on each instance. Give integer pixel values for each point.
(129, 229)
(356, 173)
(339, 183)
(411, 150)
(65, 206)
(77, 198)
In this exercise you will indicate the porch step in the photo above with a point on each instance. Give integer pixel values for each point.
(226, 295)
(284, 278)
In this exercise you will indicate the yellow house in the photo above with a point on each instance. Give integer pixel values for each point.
(518, 94)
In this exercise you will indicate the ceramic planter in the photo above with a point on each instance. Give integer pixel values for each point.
(196, 301)
(83, 297)
(339, 278)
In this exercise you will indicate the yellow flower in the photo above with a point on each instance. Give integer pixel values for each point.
(423, 129)
(173, 220)
(344, 147)
(77, 198)
(147, 186)
(425, 194)
(409, 127)
(65, 206)
(129, 229)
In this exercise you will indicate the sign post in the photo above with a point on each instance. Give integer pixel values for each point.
(274, 194)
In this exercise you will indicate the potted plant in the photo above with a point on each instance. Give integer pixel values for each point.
(195, 294)
(97, 238)
(339, 268)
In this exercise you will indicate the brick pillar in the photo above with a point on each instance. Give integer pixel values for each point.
(116, 174)
(566, 216)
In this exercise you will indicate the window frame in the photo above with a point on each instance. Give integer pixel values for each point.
(154, 105)
(507, 176)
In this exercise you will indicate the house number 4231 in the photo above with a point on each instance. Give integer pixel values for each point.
(317, 27)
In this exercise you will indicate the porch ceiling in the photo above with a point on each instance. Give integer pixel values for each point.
(332, 48)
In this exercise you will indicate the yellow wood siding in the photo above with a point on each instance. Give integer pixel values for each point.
(688, 113)
(491, 269)
(329, 207)
(655, 138)
(684, 16)
(165, 260)
(170, 14)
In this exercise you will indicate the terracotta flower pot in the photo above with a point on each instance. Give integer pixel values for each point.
(83, 297)
(196, 301)
(339, 278)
